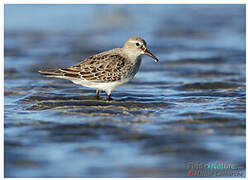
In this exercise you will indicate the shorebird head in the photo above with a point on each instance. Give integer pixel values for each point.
(137, 46)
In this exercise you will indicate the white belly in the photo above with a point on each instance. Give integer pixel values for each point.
(104, 86)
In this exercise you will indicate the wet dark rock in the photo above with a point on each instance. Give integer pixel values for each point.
(96, 104)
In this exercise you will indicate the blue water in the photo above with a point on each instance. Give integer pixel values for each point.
(189, 107)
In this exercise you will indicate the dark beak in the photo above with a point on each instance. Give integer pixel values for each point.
(148, 53)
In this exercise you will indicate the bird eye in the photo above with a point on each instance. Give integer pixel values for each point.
(137, 44)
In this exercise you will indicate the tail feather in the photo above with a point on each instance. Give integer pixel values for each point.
(51, 72)
(65, 73)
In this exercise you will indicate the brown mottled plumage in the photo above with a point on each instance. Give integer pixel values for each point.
(106, 70)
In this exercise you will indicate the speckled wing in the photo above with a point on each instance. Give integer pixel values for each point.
(97, 68)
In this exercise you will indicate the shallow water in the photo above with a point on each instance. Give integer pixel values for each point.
(189, 107)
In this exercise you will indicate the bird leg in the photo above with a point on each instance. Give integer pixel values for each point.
(109, 97)
(97, 94)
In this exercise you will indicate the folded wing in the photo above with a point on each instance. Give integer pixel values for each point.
(97, 68)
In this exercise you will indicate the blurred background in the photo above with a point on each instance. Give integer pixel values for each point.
(189, 107)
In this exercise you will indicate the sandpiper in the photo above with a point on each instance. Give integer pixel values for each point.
(107, 70)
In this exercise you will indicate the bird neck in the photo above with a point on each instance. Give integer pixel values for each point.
(132, 55)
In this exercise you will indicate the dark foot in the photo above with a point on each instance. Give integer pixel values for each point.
(109, 98)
